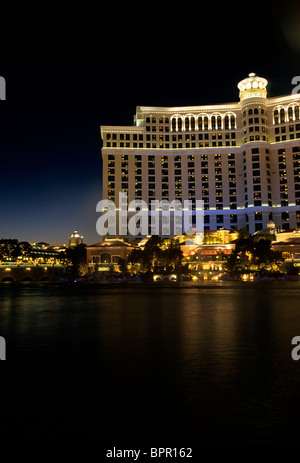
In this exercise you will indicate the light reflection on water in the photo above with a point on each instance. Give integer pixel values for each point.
(211, 361)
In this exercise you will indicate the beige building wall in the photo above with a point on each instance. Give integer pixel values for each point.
(242, 159)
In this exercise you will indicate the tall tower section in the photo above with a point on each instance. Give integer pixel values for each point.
(256, 160)
(253, 103)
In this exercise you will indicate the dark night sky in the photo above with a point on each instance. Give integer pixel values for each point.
(72, 69)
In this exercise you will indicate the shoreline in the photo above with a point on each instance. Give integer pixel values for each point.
(152, 284)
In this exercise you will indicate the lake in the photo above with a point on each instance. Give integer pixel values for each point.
(188, 362)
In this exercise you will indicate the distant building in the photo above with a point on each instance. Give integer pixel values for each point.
(108, 252)
(242, 159)
(75, 239)
(288, 243)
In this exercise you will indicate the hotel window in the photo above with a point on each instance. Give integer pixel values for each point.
(173, 124)
(200, 123)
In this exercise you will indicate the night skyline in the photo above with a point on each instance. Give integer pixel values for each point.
(62, 86)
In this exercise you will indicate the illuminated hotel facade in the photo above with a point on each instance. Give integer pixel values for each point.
(242, 159)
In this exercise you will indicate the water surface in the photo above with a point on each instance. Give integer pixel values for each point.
(208, 362)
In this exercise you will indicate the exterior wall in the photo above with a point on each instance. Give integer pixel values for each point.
(42, 272)
(94, 253)
(241, 159)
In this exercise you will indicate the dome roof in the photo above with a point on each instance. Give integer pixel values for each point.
(253, 86)
(75, 235)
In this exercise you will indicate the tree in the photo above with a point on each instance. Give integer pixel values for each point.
(291, 269)
(137, 256)
(24, 249)
(153, 257)
(77, 257)
(152, 251)
(252, 253)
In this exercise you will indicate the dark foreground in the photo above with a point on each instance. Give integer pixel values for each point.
(146, 364)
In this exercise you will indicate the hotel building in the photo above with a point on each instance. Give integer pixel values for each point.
(242, 159)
